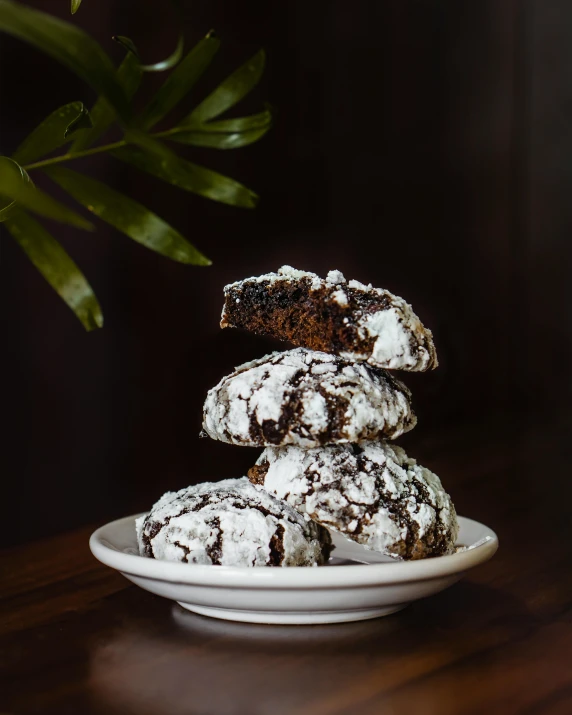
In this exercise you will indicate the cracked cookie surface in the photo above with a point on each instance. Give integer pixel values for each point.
(334, 315)
(372, 493)
(230, 523)
(306, 398)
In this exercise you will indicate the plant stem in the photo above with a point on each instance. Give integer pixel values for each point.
(77, 155)
(97, 150)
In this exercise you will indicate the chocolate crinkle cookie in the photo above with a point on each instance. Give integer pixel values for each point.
(334, 315)
(372, 493)
(230, 523)
(306, 398)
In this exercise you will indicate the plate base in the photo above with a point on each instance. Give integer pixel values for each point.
(292, 618)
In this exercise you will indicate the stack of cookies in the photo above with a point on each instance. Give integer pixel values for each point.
(326, 413)
(327, 410)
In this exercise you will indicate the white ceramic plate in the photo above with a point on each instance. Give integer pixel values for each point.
(356, 584)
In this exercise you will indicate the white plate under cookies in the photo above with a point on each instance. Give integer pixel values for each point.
(355, 585)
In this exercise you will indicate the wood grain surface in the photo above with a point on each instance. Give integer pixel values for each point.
(78, 638)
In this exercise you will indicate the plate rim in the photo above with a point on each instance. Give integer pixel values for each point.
(294, 577)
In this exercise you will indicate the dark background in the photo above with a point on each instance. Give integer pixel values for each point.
(425, 147)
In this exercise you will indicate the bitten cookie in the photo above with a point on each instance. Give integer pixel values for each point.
(230, 523)
(308, 399)
(372, 493)
(345, 318)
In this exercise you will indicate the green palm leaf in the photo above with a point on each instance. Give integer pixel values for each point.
(75, 6)
(82, 121)
(103, 114)
(190, 177)
(181, 80)
(52, 133)
(57, 267)
(15, 184)
(70, 46)
(225, 134)
(170, 62)
(229, 92)
(166, 64)
(6, 208)
(127, 216)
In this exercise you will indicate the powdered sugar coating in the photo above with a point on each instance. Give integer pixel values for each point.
(230, 523)
(374, 494)
(381, 328)
(306, 398)
(285, 272)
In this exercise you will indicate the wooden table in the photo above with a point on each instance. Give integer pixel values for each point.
(77, 638)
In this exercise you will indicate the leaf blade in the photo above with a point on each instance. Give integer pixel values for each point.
(69, 45)
(7, 207)
(229, 92)
(189, 177)
(75, 6)
(129, 75)
(225, 134)
(221, 140)
(15, 184)
(82, 121)
(127, 216)
(170, 61)
(237, 124)
(50, 134)
(57, 267)
(181, 80)
(128, 43)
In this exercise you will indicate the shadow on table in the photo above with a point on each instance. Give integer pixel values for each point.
(192, 664)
